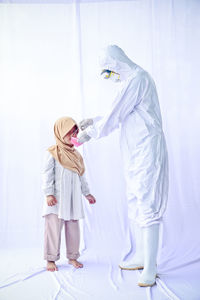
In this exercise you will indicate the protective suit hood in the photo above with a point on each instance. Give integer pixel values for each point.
(114, 59)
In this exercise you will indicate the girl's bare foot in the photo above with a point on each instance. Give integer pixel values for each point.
(51, 266)
(75, 263)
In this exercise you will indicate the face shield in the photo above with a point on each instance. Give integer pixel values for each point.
(107, 74)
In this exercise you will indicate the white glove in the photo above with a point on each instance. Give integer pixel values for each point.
(83, 137)
(85, 123)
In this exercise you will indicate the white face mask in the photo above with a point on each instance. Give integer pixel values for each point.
(111, 75)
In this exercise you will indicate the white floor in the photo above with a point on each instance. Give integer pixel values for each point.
(23, 276)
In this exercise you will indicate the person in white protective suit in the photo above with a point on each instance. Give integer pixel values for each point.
(136, 111)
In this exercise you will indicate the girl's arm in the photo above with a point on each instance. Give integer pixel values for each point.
(84, 186)
(48, 179)
(48, 175)
(85, 190)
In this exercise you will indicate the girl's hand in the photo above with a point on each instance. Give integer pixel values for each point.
(51, 200)
(91, 199)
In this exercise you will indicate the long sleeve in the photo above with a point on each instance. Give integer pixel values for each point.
(126, 100)
(48, 175)
(84, 186)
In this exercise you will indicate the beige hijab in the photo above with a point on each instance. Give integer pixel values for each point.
(67, 156)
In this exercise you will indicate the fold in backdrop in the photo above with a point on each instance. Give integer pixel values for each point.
(48, 69)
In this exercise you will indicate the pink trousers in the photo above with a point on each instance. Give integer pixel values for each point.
(52, 237)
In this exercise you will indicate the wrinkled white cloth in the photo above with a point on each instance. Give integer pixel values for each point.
(136, 111)
(67, 186)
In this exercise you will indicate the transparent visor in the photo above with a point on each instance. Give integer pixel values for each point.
(110, 74)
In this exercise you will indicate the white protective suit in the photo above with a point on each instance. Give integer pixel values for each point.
(136, 111)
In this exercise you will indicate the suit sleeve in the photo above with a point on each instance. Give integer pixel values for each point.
(123, 105)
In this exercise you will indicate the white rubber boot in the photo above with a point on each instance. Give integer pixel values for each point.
(137, 260)
(151, 239)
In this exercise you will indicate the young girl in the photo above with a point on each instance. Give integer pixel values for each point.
(63, 186)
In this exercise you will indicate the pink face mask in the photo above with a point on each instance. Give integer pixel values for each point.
(74, 141)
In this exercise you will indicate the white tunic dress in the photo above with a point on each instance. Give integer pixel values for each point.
(67, 187)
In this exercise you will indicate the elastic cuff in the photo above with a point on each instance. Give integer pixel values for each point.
(86, 193)
(51, 257)
(73, 255)
(49, 191)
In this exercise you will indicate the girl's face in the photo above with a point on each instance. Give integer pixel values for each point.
(72, 133)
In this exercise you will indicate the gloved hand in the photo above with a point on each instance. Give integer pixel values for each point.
(85, 123)
(83, 137)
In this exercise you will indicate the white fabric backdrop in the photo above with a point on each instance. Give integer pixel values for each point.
(49, 68)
